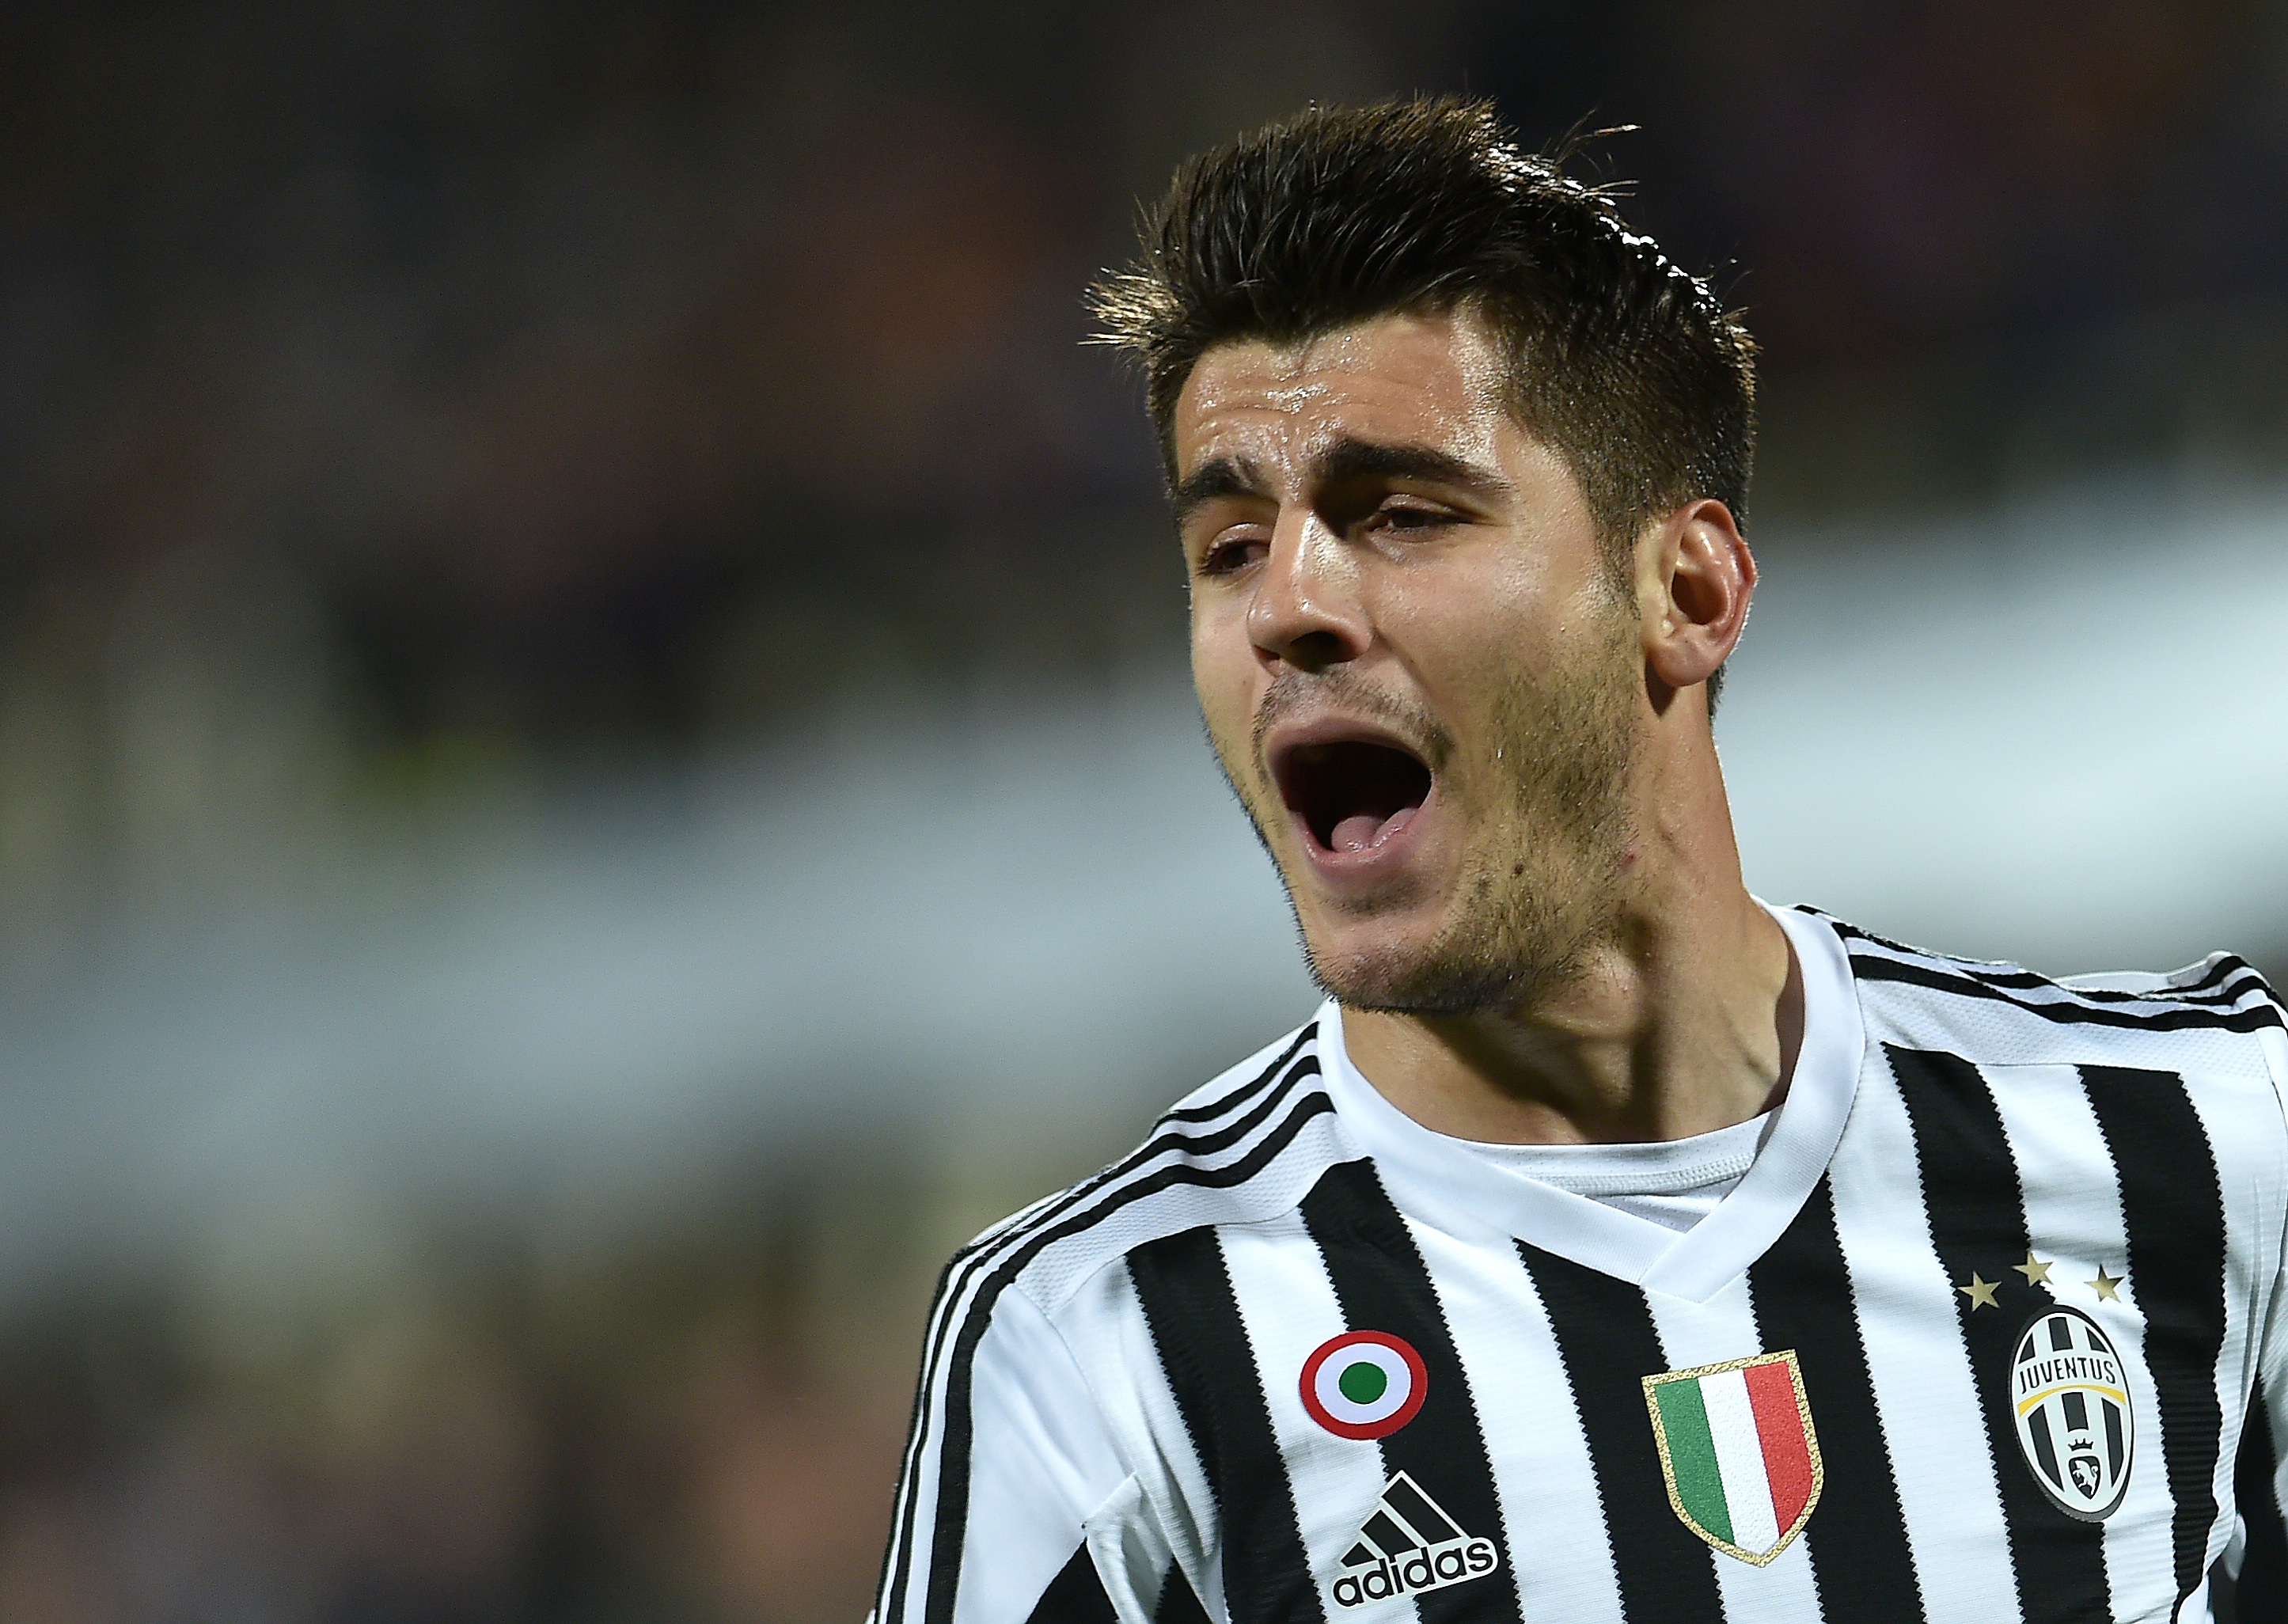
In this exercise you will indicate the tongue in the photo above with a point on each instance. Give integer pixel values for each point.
(1363, 829)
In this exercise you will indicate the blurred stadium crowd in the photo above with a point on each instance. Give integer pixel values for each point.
(409, 416)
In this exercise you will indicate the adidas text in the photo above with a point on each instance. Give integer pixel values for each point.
(1407, 1545)
(1431, 1569)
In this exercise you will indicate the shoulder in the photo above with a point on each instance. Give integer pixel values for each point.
(1246, 1147)
(2218, 1013)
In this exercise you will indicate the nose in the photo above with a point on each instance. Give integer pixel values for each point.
(1306, 612)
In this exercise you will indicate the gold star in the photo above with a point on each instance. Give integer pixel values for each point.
(1981, 1293)
(2104, 1286)
(2037, 1272)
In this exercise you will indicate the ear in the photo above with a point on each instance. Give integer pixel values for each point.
(1695, 576)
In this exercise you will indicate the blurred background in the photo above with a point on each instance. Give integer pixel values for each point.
(595, 765)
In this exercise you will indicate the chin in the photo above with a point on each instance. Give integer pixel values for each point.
(1487, 961)
(1424, 980)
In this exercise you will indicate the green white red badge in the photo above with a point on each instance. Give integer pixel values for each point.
(1738, 1450)
(1364, 1384)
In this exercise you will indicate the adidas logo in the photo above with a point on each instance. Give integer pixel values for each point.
(1408, 1545)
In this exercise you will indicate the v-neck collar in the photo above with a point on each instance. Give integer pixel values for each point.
(1443, 1184)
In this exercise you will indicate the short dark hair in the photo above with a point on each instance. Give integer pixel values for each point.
(1623, 363)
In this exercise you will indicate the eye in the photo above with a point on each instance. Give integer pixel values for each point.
(1409, 516)
(1232, 552)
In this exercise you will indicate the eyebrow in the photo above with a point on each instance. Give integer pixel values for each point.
(1347, 461)
(1219, 477)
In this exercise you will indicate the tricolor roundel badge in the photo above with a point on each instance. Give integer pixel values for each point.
(1364, 1384)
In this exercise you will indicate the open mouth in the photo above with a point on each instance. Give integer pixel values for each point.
(1352, 795)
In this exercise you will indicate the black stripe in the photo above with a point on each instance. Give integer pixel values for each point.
(2263, 1585)
(889, 1589)
(1186, 1291)
(2222, 985)
(2209, 988)
(968, 1263)
(1217, 1107)
(1606, 1336)
(2154, 1017)
(965, 1265)
(2174, 1212)
(2215, 983)
(953, 1453)
(1978, 1224)
(1196, 1144)
(1857, 1534)
(1428, 1521)
(1180, 1604)
(2226, 965)
(1382, 1530)
(1382, 1284)
(2038, 1425)
(1076, 1596)
(2214, 986)
(1191, 1144)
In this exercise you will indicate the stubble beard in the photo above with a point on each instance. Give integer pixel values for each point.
(1533, 907)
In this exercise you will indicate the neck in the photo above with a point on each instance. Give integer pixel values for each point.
(1682, 1015)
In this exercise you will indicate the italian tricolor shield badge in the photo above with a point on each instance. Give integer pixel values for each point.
(1738, 1451)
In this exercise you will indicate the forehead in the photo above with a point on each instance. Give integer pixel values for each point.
(1422, 379)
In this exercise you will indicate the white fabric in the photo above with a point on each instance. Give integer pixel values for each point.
(1470, 1195)
(1044, 1461)
(1072, 1428)
(1672, 1183)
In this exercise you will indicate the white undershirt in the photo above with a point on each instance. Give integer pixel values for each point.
(1484, 1192)
(1673, 1183)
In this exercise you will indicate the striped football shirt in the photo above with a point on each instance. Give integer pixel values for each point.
(1990, 1330)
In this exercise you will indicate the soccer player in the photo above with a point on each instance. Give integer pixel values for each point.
(1609, 1246)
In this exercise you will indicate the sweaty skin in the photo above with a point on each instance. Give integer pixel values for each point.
(1555, 946)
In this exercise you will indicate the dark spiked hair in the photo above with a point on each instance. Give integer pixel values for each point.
(1621, 362)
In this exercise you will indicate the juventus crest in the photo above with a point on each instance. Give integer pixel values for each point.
(2071, 1403)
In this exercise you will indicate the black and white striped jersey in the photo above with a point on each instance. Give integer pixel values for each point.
(1979, 1336)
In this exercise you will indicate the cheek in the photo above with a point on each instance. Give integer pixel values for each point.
(1506, 626)
(1223, 682)
(1470, 649)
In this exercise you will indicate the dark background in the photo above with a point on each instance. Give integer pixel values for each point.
(409, 413)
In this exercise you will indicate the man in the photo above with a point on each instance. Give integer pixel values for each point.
(1609, 1246)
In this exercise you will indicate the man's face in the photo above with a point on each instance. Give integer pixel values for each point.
(1417, 670)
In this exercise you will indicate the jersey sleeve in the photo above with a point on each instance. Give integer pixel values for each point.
(1009, 1472)
(2260, 1563)
(2260, 1488)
